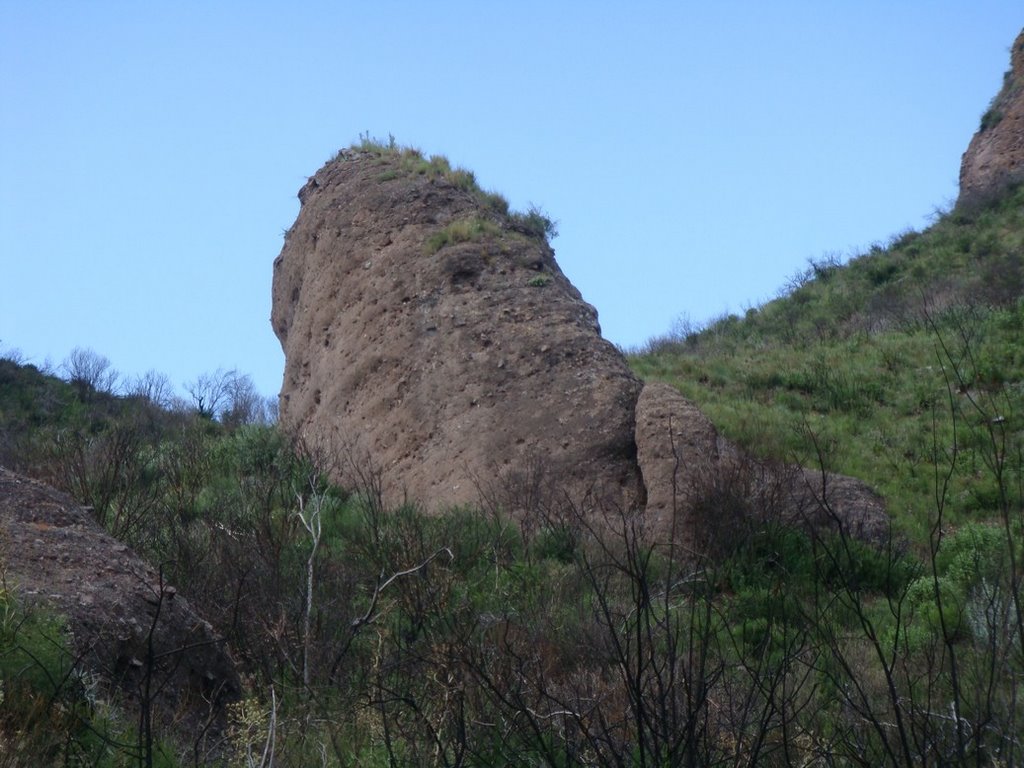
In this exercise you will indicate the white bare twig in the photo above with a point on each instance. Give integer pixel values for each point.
(368, 617)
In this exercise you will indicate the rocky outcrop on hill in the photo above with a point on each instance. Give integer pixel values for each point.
(995, 156)
(428, 331)
(430, 335)
(125, 623)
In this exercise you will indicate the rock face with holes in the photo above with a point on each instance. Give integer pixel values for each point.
(432, 342)
(432, 334)
(995, 156)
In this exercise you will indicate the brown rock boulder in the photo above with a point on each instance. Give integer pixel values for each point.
(677, 448)
(995, 156)
(430, 335)
(124, 622)
(711, 492)
(825, 501)
(431, 332)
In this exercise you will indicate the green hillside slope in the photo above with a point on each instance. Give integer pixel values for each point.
(900, 367)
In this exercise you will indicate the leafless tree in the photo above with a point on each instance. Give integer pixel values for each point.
(155, 387)
(244, 405)
(12, 354)
(229, 397)
(89, 370)
(209, 392)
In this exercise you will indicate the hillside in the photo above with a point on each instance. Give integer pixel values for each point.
(871, 366)
(372, 633)
(551, 626)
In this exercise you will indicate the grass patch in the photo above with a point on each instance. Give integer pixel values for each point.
(535, 223)
(462, 231)
(404, 162)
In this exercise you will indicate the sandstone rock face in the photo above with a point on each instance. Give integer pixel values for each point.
(426, 329)
(995, 156)
(53, 553)
(430, 334)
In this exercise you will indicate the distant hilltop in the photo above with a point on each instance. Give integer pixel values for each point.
(995, 156)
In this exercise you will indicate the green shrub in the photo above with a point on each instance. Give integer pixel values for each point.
(51, 710)
(557, 544)
(973, 553)
(925, 596)
(535, 223)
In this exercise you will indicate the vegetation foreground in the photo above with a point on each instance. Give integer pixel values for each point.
(571, 636)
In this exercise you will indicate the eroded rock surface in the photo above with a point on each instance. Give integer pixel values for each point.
(446, 366)
(995, 156)
(53, 553)
(429, 334)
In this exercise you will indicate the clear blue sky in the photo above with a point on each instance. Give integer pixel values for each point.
(695, 154)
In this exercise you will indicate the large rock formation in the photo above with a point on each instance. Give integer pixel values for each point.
(428, 331)
(430, 334)
(125, 623)
(995, 156)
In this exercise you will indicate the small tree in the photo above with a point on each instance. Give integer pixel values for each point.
(209, 392)
(90, 372)
(229, 397)
(155, 387)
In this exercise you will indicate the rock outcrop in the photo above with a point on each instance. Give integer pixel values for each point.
(124, 622)
(430, 335)
(995, 156)
(428, 331)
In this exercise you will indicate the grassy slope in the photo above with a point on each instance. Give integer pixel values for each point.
(869, 362)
